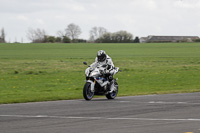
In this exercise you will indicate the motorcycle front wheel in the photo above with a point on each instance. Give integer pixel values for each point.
(87, 93)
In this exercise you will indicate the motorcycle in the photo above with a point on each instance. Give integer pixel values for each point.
(98, 84)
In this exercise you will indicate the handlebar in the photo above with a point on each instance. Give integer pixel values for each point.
(85, 63)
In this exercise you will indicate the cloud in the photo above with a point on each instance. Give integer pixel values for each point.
(39, 21)
(78, 8)
(139, 17)
(144, 4)
(187, 4)
(60, 17)
(22, 17)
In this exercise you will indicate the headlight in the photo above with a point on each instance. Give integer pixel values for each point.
(93, 73)
(87, 72)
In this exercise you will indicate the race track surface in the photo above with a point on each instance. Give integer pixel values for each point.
(171, 113)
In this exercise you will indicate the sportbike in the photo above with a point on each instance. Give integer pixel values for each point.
(97, 83)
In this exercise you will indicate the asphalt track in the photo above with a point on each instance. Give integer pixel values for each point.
(171, 113)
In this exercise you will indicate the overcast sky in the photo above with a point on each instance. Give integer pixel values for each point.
(139, 17)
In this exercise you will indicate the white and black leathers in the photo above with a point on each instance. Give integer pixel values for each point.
(111, 70)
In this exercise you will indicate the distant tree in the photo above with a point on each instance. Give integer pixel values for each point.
(96, 32)
(61, 34)
(79, 41)
(37, 35)
(51, 39)
(122, 37)
(45, 40)
(66, 39)
(58, 39)
(105, 38)
(73, 31)
(30, 34)
(2, 36)
(116, 37)
(136, 40)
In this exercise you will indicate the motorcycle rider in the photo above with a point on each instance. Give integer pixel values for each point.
(103, 59)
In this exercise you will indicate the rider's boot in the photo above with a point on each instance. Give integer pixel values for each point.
(112, 87)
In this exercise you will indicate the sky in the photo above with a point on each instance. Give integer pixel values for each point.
(139, 17)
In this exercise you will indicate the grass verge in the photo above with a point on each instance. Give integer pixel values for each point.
(43, 72)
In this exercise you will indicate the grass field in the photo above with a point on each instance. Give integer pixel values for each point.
(42, 72)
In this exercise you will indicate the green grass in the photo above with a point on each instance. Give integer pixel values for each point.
(42, 72)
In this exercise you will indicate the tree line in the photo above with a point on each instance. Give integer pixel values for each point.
(2, 36)
(71, 35)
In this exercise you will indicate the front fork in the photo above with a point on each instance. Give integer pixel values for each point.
(92, 84)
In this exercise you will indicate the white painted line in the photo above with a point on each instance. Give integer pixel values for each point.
(162, 102)
(124, 101)
(153, 119)
(84, 117)
(47, 116)
(98, 118)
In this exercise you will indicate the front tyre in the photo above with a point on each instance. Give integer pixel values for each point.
(87, 94)
(114, 93)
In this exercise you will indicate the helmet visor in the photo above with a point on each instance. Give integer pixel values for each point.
(101, 58)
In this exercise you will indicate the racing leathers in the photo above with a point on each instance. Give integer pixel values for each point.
(110, 70)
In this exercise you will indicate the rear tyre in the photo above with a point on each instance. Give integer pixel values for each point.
(114, 93)
(87, 94)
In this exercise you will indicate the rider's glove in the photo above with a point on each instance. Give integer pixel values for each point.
(102, 71)
(107, 71)
(117, 69)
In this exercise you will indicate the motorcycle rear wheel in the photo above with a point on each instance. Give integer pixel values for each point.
(87, 94)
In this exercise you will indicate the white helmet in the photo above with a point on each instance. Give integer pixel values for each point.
(101, 56)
